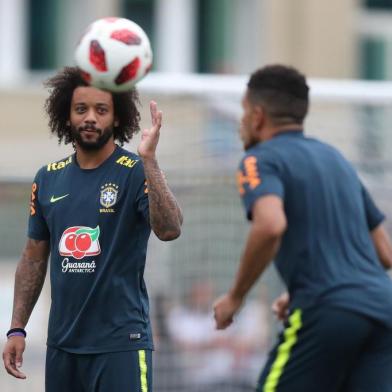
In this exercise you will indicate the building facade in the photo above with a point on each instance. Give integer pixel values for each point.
(336, 39)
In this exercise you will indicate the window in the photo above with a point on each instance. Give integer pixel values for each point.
(142, 13)
(378, 4)
(373, 52)
(214, 29)
(375, 34)
(42, 33)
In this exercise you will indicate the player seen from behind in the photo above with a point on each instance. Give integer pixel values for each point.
(310, 212)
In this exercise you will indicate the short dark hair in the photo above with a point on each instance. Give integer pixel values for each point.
(282, 91)
(58, 107)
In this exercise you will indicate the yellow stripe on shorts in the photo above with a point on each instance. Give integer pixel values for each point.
(143, 370)
(284, 351)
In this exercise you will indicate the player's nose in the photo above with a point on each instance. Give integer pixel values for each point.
(90, 117)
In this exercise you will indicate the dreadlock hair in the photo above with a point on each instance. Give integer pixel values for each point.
(282, 91)
(58, 107)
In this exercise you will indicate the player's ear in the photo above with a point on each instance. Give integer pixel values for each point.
(258, 117)
(116, 122)
(68, 124)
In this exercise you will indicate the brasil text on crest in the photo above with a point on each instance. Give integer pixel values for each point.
(108, 197)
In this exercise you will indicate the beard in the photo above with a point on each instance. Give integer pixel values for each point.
(248, 141)
(93, 145)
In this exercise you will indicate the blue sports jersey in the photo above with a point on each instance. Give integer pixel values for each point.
(97, 222)
(327, 255)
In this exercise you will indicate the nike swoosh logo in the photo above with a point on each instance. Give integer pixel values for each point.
(54, 199)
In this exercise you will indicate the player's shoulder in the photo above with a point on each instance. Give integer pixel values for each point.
(52, 168)
(289, 145)
(325, 148)
(261, 152)
(60, 164)
(128, 161)
(129, 164)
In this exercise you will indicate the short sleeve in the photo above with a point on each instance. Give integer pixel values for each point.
(258, 176)
(37, 226)
(373, 215)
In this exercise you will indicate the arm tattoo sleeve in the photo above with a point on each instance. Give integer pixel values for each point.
(29, 279)
(165, 214)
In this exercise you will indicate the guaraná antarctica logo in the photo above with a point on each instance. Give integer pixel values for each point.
(79, 242)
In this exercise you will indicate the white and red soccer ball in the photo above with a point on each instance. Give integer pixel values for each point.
(114, 54)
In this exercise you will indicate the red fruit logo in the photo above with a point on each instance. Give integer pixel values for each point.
(79, 242)
(97, 56)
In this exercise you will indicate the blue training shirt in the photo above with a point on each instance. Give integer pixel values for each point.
(97, 222)
(327, 255)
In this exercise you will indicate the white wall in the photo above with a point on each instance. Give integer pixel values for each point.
(12, 40)
(75, 16)
(175, 37)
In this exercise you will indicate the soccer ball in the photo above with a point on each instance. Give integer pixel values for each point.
(113, 54)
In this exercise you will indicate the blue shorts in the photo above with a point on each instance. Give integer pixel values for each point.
(124, 371)
(330, 350)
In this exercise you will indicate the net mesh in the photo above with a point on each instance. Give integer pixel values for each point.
(199, 151)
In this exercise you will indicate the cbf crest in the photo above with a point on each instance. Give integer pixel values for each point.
(108, 198)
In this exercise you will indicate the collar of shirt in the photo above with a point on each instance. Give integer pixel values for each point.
(290, 132)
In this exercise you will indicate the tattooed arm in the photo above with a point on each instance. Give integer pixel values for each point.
(165, 214)
(29, 279)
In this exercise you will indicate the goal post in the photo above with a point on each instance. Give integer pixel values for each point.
(200, 150)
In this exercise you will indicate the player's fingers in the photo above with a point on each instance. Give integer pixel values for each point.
(153, 111)
(279, 311)
(8, 359)
(218, 323)
(145, 133)
(19, 358)
(217, 317)
(222, 324)
(281, 316)
(222, 320)
(276, 308)
(281, 304)
(156, 116)
(284, 298)
(283, 313)
(10, 366)
(159, 119)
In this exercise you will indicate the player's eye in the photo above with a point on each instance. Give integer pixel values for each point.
(80, 109)
(102, 110)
